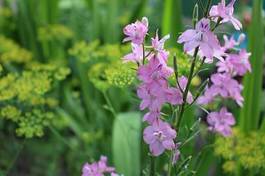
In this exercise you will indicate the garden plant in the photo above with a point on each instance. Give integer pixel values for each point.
(123, 88)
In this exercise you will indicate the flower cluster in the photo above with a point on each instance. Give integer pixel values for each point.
(82, 50)
(11, 52)
(119, 75)
(201, 37)
(221, 122)
(153, 72)
(247, 150)
(231, 62)
(225, 13)
(154, 90)
(25, 98)
(54, 32)
(99, 168)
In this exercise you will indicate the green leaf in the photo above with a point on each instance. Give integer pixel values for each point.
(126, 143)
(250, 113)
(172, 23)
(205, 161)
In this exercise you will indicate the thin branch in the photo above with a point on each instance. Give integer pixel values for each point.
(199, 92)
(176, 72)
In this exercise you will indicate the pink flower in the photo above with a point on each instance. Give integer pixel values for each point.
(225, 86)
(159, 51)
(136, 32)
(154, 70)
(226, 13)
(235, 64)
(174, 96)
(232, 43)
(201, 37)
(152, 95)
(159, 136)
(152, 116)
(136, 55)
(98, 168)
(221, 122)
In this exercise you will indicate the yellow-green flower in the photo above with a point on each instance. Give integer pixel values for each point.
(54, 32)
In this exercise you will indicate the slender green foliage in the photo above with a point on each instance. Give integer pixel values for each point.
(126, 143)
(171, 22)
(250, 113)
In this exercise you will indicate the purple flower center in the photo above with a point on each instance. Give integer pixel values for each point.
(159, 135)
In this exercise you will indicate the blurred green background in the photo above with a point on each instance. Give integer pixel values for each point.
(66, 98)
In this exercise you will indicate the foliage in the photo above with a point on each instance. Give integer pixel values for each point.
(54, 32)
(250, 114)
(126, 135)
(25, 97)
(65, 91)
(246, 149)
(11, 52)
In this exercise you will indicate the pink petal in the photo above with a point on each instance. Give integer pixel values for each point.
(169, 144)
(156, 148)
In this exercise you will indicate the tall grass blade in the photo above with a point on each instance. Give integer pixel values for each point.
(111, 30)
(250, 114)
(171, 22)
(139, 10)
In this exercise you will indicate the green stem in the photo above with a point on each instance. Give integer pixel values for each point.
(176, 72)
(16, 157)
(111, 108)
(86, 90)
(191, 75)
(185, 95)
(217, 24)
(201, 64)
(152, 166)
(143, 54)
(170, 164)
(207, 8)
(60, 137)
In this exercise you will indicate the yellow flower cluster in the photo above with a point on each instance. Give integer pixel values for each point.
(7, 23)
(5, 12)
(96, 75)
(246, 149)
(33, 123)
(83, 50)
(120, 75)
(10, 112)
(104, 75)
(25, 97)
(106, 68)
(54, 32)
(11, 52)
(53, 70)
(112, 52)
